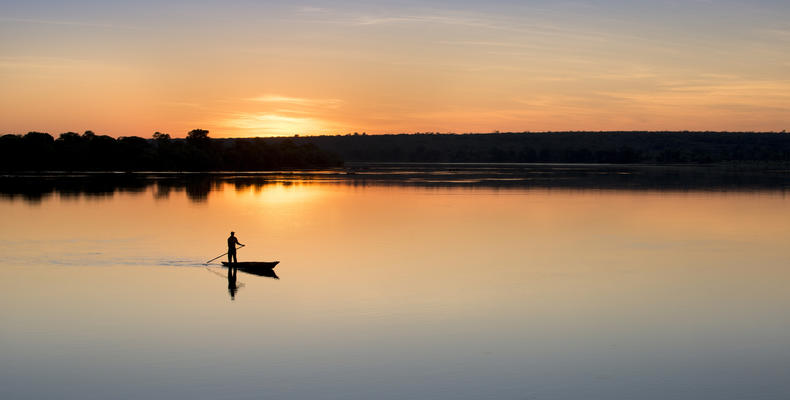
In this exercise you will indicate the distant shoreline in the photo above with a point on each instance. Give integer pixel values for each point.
(354, 166)
(90, 152)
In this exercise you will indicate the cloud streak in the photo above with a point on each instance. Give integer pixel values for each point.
(298, 101)
(90, 24)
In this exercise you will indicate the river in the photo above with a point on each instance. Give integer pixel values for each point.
(438, 287)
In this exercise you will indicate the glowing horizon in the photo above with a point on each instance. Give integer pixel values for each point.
(241, 69)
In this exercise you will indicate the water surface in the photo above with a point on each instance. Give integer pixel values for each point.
(429, 289)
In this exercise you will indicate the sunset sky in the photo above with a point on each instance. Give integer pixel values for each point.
(263, 68)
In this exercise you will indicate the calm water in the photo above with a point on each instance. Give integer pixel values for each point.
(395, 291)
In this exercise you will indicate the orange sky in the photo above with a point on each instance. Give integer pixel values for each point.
(240, 69)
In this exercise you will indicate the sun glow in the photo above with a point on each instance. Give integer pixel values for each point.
(274, 125)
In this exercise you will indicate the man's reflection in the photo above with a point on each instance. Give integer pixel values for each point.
(232, 287)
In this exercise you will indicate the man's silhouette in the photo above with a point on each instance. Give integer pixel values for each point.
(232, 242)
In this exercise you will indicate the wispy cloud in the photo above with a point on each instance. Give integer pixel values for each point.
(87, 24)
(701, 94)
(525, 25)
(184, 104)
(56, 65)
(298, 101)
(311, 10)
(425, 19)
(534, 24)
(488, 43)
(39, 62)
(782, 34)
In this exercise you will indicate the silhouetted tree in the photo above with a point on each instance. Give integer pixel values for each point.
(197, 135)
(103, 153)
(38, 151)
(159, 136)
(11, 152)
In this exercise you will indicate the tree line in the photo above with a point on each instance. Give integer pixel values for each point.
(561, 147)
(198, 152)
(71, 151)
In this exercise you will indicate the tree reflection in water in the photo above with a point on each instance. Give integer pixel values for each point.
(198, 187)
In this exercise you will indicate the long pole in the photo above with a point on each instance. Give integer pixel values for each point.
(240, 246)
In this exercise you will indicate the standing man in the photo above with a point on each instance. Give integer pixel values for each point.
(232, 242)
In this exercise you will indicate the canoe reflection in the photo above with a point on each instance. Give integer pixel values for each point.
(265, 269)
(260, 269)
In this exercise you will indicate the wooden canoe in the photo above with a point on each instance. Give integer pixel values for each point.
(252, 264)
